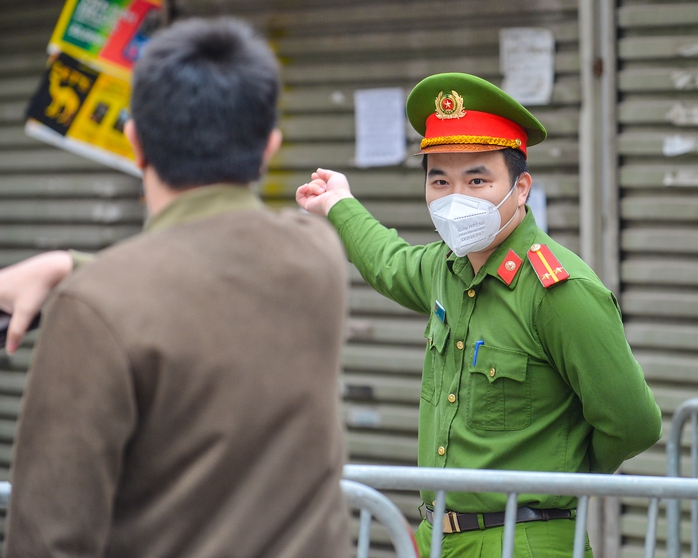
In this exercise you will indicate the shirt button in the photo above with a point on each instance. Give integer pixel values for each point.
(451, 398)
(471, 293)
(460, 345)
(492, 372)
(442, 450)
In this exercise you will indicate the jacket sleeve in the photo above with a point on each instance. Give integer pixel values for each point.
(580, 327)
(78, 413)
(390, 265)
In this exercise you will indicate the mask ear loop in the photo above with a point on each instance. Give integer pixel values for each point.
(500, 204)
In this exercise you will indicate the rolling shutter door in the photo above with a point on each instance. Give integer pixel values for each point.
(331, 49)
(658, 148)
(48, 198)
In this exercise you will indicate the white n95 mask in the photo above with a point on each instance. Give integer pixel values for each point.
(467, 224)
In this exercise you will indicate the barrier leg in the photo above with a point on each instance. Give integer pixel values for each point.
(364, 541)
(580, 528)
(437, 530)
(694, 471)
(509, 525)
(651, 534)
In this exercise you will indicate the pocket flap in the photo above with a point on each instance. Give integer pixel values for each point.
(437, 334)
(495, 363)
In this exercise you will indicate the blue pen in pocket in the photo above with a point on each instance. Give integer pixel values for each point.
(477, 348)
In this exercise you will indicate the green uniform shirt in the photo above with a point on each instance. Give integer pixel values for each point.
(554, 385)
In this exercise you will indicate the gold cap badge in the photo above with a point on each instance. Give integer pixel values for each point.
(449, 105)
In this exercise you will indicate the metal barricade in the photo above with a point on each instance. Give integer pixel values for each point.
(373, 503)
(688, 409)
(513, 483)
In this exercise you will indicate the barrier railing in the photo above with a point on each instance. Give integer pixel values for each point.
(688, 409)
(513, 483)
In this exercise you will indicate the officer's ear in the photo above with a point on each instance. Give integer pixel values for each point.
(523, 188)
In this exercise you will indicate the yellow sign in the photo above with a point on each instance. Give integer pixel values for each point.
(100, 120)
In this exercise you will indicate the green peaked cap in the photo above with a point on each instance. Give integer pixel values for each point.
(478, 94)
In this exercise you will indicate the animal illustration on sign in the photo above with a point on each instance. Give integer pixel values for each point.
(64, 101)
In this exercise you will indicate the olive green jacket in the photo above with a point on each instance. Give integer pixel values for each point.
(516, 376)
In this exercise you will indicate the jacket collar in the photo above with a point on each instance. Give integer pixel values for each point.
(201, 202)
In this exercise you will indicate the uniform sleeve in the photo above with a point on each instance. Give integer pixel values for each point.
(387, 263)
(580, 327)
(78, 413)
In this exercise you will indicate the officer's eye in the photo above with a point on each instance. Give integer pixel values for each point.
(477, 181)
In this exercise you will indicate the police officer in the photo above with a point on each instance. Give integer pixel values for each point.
(526, 365)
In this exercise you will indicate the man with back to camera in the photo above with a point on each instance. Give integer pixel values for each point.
(182, 399)
(526, 366)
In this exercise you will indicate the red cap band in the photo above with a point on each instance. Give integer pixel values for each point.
(474, 128)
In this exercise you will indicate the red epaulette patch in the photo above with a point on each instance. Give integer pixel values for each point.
(510, 267)
(546, 265)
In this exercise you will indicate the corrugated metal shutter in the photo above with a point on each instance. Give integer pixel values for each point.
(658, 147)
(330, 49)
(48, 198)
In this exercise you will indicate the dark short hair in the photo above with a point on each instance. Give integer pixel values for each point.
(204, 102)
(513, 158)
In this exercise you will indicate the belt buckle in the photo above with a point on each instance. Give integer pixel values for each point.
(450, 522)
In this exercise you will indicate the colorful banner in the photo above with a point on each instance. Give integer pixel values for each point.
(106, 34)
(83, 99)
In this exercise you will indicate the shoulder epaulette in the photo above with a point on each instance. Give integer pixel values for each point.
(547, 267)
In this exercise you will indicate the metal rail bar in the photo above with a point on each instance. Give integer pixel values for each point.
(509, 525)
(580, 529)
(470, 480)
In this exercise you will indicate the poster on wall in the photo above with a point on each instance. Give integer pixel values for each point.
(527, 60)
(379, 118)
(82, 101)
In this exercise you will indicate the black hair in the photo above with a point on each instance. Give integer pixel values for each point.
(204, 102)
(513, 158)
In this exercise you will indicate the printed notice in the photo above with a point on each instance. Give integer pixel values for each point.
(527, 60)
(380, 127)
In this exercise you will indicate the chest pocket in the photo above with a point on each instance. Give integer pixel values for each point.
(499, 393)
(437, 334)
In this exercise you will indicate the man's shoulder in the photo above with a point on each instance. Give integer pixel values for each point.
(134, 262)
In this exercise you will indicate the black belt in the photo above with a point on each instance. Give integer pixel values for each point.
(458, 522)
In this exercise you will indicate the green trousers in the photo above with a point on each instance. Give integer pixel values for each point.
(535, 539)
